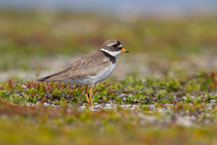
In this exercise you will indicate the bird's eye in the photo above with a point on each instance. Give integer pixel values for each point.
(118, 45)
(115, 45)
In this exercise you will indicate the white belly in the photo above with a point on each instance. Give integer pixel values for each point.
(104, 74)
(91, 80)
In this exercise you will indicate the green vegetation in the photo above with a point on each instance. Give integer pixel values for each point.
(197, 89)
(176, 106)
(162, 111)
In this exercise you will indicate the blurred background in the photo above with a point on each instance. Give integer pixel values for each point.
(169, 37)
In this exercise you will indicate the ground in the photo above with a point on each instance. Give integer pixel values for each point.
(163, 92)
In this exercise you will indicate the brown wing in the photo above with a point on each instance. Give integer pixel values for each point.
(87, 65)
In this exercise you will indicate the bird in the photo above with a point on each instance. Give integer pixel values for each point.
(90, 69)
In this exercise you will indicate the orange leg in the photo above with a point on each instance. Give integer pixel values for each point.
(90, 94)
(86, 94)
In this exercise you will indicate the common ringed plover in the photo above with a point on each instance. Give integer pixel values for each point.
(90, 69)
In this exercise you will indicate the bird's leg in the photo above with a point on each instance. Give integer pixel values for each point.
(86, 94)
(90, 94)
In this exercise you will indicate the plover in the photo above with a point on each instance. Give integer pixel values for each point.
(90, 69)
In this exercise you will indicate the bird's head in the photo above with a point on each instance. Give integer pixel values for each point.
(113, 47)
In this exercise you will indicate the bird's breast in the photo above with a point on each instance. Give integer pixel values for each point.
(103, 74)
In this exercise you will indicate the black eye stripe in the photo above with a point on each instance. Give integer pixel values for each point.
(116, 45)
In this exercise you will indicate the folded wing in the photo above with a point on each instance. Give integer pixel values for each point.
(81, 68)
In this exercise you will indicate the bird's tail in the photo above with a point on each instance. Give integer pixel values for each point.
(47, 78)
(52, 77)
(43, 79)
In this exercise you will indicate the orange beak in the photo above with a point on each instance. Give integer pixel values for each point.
(124, 50)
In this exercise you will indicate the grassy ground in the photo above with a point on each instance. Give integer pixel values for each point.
(176, 106)
(152, 111)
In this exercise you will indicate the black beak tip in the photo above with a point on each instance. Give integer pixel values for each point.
(127, 51)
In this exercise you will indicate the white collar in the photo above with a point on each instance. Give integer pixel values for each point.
(112, 53)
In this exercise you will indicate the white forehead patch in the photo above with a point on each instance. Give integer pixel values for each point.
(112, 53)
(120, 46)
(111, 44)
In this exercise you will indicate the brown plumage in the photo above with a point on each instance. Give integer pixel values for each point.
(90, 69)
(88, 65)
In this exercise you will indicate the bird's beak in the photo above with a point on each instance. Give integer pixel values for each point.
(124, 50)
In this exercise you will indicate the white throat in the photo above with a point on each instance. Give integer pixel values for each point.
(112, 53)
